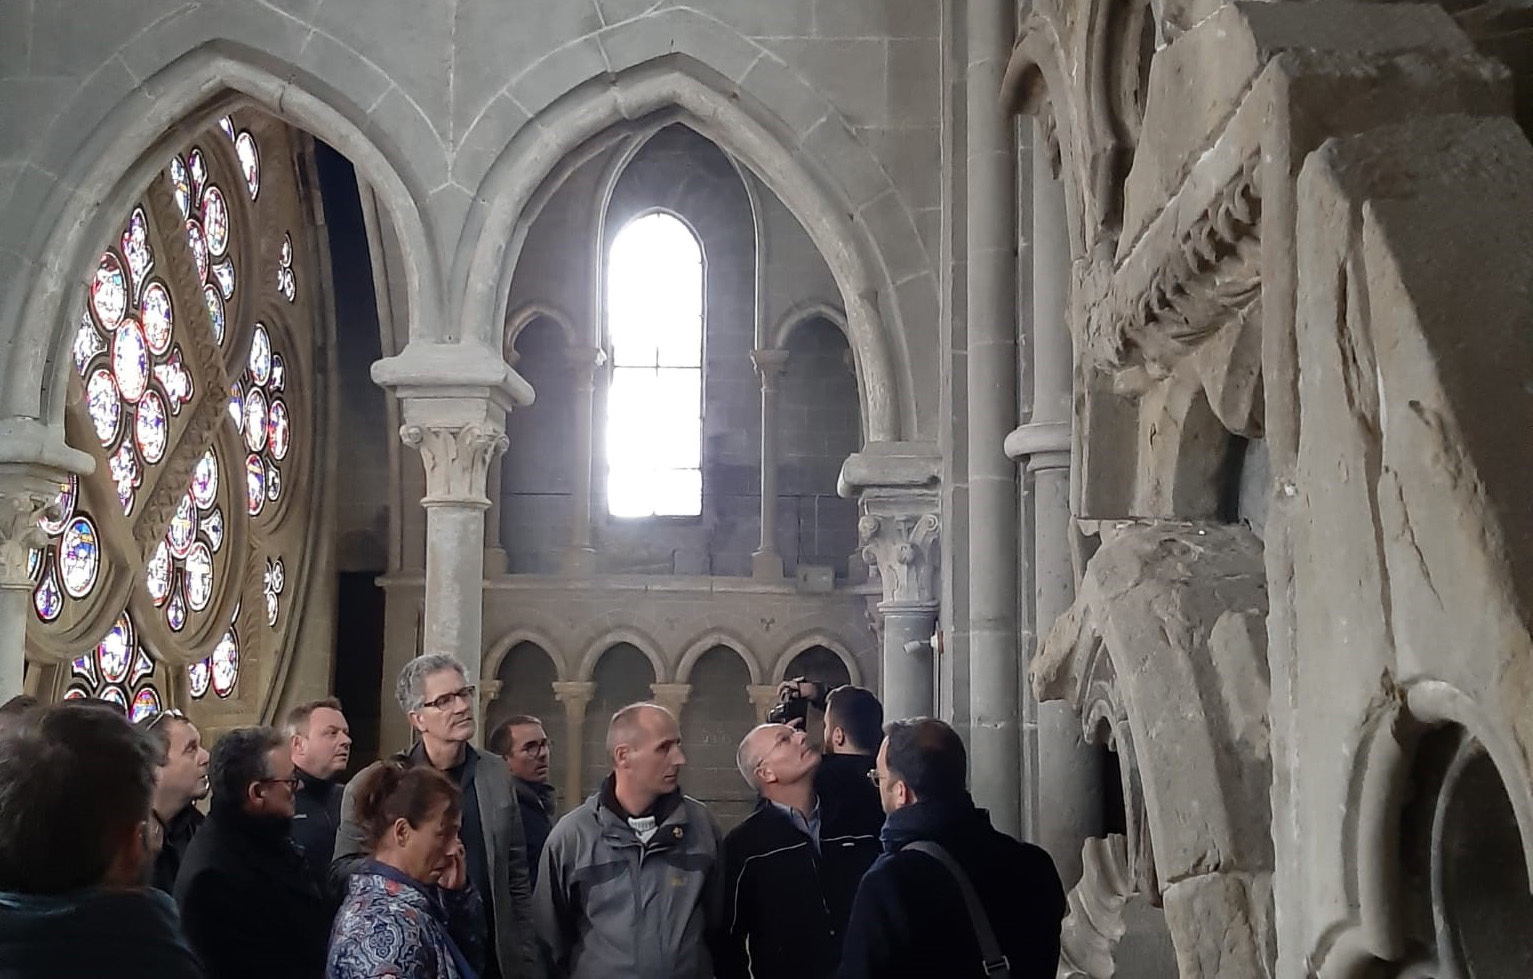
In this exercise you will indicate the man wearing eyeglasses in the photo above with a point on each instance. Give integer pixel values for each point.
(523, 743)
(250, 908)
(180, 781)
(440, 703)
(792, 867)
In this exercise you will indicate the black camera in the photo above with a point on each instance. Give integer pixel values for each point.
(794, 706)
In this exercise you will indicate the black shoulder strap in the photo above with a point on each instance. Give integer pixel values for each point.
(996, 964)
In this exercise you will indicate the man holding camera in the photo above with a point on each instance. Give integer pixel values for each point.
(792, 867)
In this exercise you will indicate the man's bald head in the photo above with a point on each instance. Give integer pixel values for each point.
(634, 724)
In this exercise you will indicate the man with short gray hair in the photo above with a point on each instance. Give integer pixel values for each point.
(434, 693)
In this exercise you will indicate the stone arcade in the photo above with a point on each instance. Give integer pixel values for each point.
(1143, 386)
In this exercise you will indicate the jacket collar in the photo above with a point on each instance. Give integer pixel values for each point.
(670, 817)
(537, 793)
(937, 819)
(313, 784)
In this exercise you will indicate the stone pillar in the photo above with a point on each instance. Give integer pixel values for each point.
(580, 559)
(575, 697)
(488, 691)
(454, 398)
(496, 562)
(766, 562)
(904, 549)
(1065, 804)
(763, 698)
(995, 730)
(27, 493)
(671, 696)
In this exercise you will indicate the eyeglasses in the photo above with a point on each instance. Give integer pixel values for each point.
(535, 748)
(156, 718)
(875, 778)
(292, 783)
(445, 702)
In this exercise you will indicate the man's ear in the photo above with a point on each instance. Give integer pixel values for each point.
(838, 737)
(620, 755)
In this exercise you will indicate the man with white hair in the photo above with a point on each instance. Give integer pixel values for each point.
(440, 702)
(792, 867)
(631, 884)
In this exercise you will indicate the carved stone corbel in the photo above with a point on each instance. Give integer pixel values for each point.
(457, 460)
(24, 500)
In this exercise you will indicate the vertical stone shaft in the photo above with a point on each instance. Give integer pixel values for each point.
(27, 492)
(575, 697)
(767, 562)
(994, 691)
(584, 362)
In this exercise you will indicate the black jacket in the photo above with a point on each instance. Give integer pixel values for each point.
(537, 802)
(132, 934)
(787, 906)
(248, 905)
(178, 837)
(909, 919)
(318, 802)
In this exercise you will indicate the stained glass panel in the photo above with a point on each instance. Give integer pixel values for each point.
(109, 293)
(198, 167)
(145, 704)
(159, 320)
(76, 693)
(79, 557)
(213, 527)
(135, 247)
(199, 673)
(116, 696)
(237, 406)
(182, 529)
(69, 491)
(130, 360)
(88, 344)
(48, 597)
(255, 484)
(226, 664)
(199, 577)
(174, 378)
(152, 427)
(260, 356)
(250, 162)
(142, 666)
(157, 574)
(183, 185)
(277, 429)
(272, 584)
(104, 407)
(175, 612)
(223, 274)
(255, 420)
(215, 220)
(199, 245)
(215, 303)
(115, 651)
(205, 480)
(84, 666)
(125, 473)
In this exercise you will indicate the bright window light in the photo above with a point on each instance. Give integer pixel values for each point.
(655, 405)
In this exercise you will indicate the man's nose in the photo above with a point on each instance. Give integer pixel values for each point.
(681, 757)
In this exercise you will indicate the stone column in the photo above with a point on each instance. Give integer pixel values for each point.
(671, 696)
(1065, 804)
(904, 549)
(766, 562)
(27, 493)
(488, 691)
(454, 398)
(763, 698)
(580, 559)
(995, 730)
(575, 697)
(496, 561)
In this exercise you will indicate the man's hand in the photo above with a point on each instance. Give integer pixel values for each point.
(455, 877)
(807, 689)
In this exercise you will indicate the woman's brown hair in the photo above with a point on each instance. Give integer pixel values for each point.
(394, 789)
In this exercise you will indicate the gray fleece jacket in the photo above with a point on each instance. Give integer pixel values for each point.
(608, 906)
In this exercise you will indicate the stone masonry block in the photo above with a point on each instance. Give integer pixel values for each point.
(851, 73)
(412, 40)
(683, 32)
(877, 18)
(850, 162)
(915, 85)
(496, 40)
(575, 63)
(786, 94)
(888, 221)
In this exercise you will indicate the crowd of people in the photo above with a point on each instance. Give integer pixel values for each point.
(867, 861)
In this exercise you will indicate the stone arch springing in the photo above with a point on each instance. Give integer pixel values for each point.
(708, 104)
(808, 640)
(529, 313)
(501, 648)
(94, 190)
(633, 637)
(717, 639)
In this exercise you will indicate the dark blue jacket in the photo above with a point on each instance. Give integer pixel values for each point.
(537, 803)
(129, 934)
(909, 918)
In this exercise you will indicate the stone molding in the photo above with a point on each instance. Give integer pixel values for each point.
(671, 696)
(575, 695)
(905, 550)
(769, 366)
(763, 698)
(457, 461)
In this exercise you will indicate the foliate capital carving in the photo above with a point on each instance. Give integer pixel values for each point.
(905, 551)
(457, 460)
(671, 696)
(575, 696)
(769, 366)
(764, 697)
(488, 691)
(25, 498)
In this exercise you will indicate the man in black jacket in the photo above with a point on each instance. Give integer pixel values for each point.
(792, 867)
(248, 904)
(320, 740)
(523, 743)
(180, 780)
(910, 918)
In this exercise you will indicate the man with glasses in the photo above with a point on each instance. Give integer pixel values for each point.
(912, 917)
(523, 743)
(440, 703)
(792, 867)
(248, 904)
(180, 780)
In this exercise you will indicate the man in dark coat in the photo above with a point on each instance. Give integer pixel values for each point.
(523, 743)
(910, 918)
(76, 851)
(248, 904)
(320, 740)
(792, 867)
(180, 781)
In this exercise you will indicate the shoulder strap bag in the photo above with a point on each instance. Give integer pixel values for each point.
(996, 965)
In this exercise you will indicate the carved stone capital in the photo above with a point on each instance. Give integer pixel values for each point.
(671, 696)
(769, 366)
(488, 691)
(905, 551)
(457, 461)
(27, 494)
(575, 696)
(764, 697)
